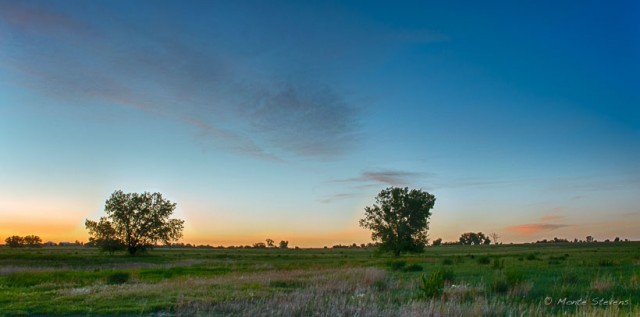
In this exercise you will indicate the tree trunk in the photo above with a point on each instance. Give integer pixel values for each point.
(132, 250)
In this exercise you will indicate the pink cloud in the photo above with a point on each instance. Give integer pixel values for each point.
(39, 19)
(534, 228)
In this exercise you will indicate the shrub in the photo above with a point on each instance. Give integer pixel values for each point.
(434, 284)
(447, 261)
(412, 268)
(504, 282)
(397, 265)
(118, 278)
(531, 257)
(569, 278)
(484, 260)
(497, 264)
(448, 275)
(500, 285)
(605, 263)
(557, 259)
(514, 277)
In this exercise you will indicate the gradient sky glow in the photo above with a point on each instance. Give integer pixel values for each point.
(283, 119)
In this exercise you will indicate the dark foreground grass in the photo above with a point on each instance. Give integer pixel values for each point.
(601, 279)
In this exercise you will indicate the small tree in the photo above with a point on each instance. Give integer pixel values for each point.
(270, 243)
(284, 244)
(14, 241)
(32, 241)
(399, 219)
(437, 242)
(471, 238)
(494, 236)
(137, 221)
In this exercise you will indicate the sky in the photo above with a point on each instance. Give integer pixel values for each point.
(284, 119)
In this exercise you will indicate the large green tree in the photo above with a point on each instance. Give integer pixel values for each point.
(135, 221)
(399, 219)
(103, 235)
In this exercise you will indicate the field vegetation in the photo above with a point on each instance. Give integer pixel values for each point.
(583, 279)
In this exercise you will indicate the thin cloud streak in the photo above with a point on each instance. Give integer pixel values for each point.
(532, 228)
(28, 18)
(336, 197)
(548, 218)
(387, 177)
(202, 86)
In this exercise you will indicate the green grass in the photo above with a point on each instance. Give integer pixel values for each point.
(444, 280)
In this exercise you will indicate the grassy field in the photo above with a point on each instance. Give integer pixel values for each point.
(597, 279)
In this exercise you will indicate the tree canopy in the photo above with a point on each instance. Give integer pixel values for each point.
(471, 238)
(399, 219)
(135, 222)
(29, 241)
(14, 241)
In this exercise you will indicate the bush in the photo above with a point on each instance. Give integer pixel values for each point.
(397, 265)
(514, 277)
(531, 257)
(605, 263)
(413, 268)
(569, 278)
(447, 261)
(434, 284)
(497, 264)
(502, 283)
(448, 275)
(118, 278)
(484, 260)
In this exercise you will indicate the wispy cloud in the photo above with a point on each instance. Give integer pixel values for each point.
(375, 179)
(387, 177)
(336, 197)
(603, 182)
(208, 87)
(545, 224)
(473, 182)
(308, 120)
(34, 18)
(548, 218)
(533, 228)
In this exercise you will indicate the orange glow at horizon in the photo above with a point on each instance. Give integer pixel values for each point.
(49, 231)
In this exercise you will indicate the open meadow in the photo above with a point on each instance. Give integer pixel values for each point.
(583, 279)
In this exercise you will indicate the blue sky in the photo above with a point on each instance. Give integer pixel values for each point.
(284, 119)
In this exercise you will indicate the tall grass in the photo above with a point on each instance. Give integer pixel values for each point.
(321, 282)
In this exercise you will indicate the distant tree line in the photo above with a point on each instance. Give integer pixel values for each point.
(31, 241)
(588, 239)
(470, 238)
(354, 246)
(270, 244)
